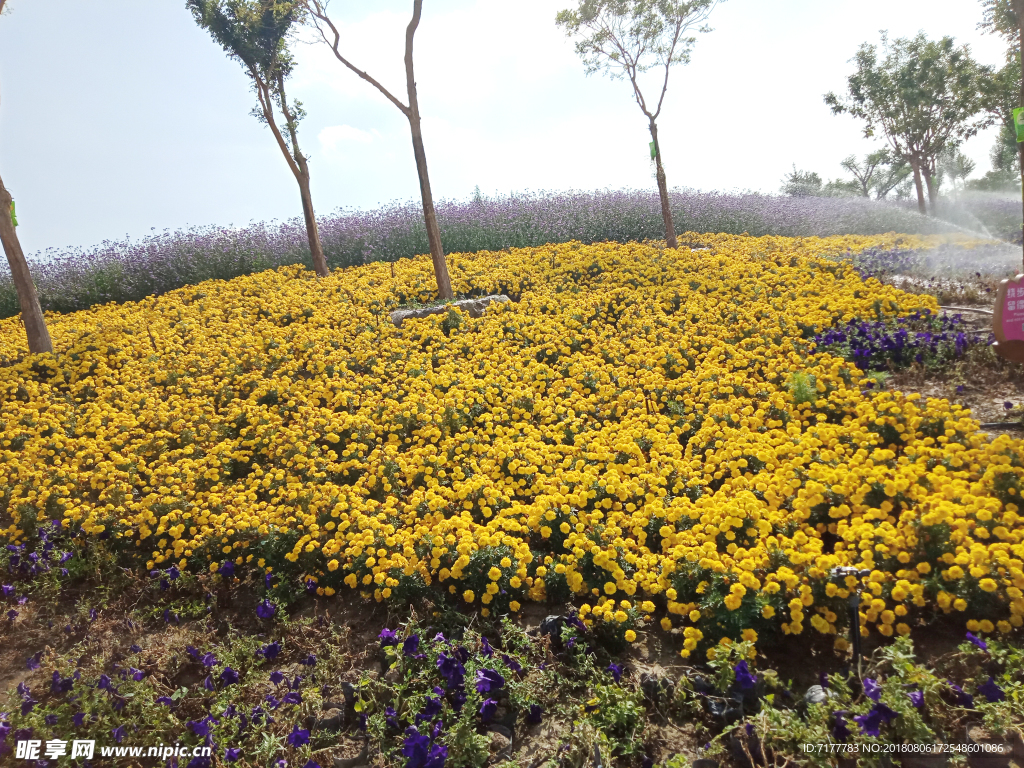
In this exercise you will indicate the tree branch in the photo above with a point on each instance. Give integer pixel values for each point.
(410, 77)
(318, 10)
(267, 107)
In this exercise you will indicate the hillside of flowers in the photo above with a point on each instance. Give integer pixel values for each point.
(650, 433)
(71, 279)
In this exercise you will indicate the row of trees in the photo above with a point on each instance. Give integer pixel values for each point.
(925, 98)
(624, 38)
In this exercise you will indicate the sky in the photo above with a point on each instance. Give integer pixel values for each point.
(120, 117)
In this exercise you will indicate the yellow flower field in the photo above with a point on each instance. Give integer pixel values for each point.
(634, 428)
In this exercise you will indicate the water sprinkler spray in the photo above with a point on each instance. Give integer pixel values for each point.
(838, 575)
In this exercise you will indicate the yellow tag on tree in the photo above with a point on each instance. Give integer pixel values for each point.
(1018, 122)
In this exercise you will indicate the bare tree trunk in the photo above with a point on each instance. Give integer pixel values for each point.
(444, 283)
(666, 211)
(316, 248)
(919, 186)
(28, 299)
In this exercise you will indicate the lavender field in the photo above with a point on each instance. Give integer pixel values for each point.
(77, 278)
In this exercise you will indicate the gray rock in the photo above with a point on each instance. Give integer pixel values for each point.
(472, 307)
(817, 695)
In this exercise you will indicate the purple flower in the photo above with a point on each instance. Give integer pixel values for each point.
(309, 661)
(136, 674)
(872, 689)
(977, 641)
(916, 698)
(616, 671)
(104, 683)
(276, 677)
(311, 764)
(839, 729)
(298, 737)
(991, 691)
(135, 649)
(27, 705)
(387, 637)
(391, 718)
(411, 645)
(872, 721)
(227, 569)
(50, 719)
(488, 680)
(209, 660)
(744, 678)
(265, 609)
(270, 651)
(165, 700)
(191, 651)
(292, 697)
(7, 589)
(33, 661)
(451, 669)
(958, 696)
(208, 683)
(231, 754)
(485, 647)
(119, 733)
(487, 709)
(200, 728)
(534, 714)
(78, 718)
(228, 676)
(511, 663)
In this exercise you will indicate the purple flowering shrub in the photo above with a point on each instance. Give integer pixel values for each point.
(900, 342)
(118, 271)
(899, 700)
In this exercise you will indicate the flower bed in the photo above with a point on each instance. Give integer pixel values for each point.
(649, 432)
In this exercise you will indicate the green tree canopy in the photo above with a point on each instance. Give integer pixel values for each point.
(256, 33)
(923, 96)
(624, 39)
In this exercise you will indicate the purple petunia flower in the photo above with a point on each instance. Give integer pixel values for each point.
(33, 661)
(266, 609)
(209, 660)
(387, 637)
(136, 674)
(7, 589)
(958, 696)
(298, 737)
(991, 691)
(104, 683)
(451, 669)
(872, 689)
(227, 569)
(276, 677)
(208, 683)
(78, 718)
(309, 661)
(485, 647)
(487, 709)
(839, 730)
(231, 754)
(744, 678)
(311, 764)
(535, 714)
(228, 676)
(872, 721)
(270, 651)
(292, 697)
(977, 641)
(511, 663)
(200, 728)
(616, 671)
(488, 680)
(166, 700)
(411, 645)
(119, 733)
(916, 698)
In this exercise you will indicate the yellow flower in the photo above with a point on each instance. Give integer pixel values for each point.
(630, 636)
(494, 574)
(468, 596)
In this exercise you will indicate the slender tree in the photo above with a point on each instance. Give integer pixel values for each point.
(332, 37)
(624, 39)
(1006, 18)
(31, 313)
(924, 96)
(256, 33)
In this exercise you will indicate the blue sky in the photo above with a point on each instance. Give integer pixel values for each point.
(118, 116)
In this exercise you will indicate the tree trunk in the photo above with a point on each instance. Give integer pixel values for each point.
(666, 211)
(920, 188)
(28, 299)
(316, 249)
(444, 283)
(933, 192)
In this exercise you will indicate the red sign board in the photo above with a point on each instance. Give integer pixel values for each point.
(1008, 319)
